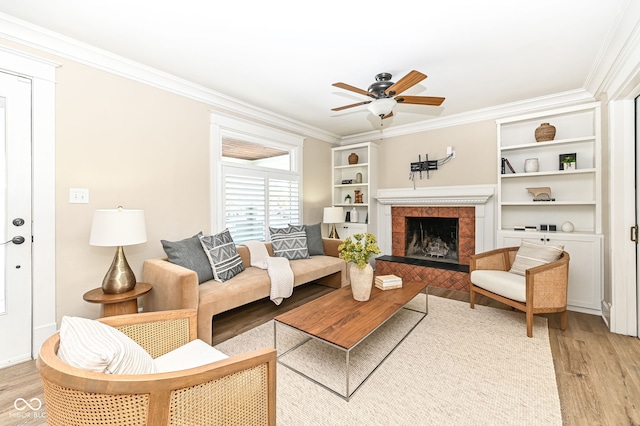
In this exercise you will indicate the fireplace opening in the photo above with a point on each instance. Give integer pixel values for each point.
(432, 238)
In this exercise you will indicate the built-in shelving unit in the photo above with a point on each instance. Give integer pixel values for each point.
(576, 195)
(342, 171)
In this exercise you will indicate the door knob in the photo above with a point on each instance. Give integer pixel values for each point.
(15, 240)
(18, 221)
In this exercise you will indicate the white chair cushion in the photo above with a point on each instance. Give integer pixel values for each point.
(94, 346)
(504, 283)
(193, 354)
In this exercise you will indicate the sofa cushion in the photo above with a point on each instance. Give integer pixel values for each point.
(189, 253)
(314, 240)
(504, 283)
(223, 255)
(94, 346)
(530, 255)
(290, 242)
(193, 354)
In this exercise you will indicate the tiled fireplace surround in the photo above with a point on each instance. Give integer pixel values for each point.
(470, 204)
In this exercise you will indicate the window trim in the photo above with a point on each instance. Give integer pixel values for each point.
(224, 125)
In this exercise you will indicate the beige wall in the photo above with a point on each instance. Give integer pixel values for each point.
(133, 145)
(316, 181)
(475, 161)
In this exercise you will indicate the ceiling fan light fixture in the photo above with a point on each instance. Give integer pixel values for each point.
(382, 107)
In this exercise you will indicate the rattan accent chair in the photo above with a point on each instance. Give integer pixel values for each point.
(546, 285)
(239, 390)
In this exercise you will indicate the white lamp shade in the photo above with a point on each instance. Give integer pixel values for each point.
(382, 107)
(118, 227)
(333, 215)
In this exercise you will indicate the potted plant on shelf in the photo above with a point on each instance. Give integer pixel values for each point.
(357, 253)
(347, 199)
(569, 163)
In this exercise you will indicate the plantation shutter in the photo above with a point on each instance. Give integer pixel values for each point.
(255, 200)
(284, 201)
(244, 208)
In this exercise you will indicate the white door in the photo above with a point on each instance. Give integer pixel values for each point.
(15, 219)
(635, 234)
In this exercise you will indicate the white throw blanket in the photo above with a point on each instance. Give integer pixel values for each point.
(281, 277)
(278, 268)
(258, 253)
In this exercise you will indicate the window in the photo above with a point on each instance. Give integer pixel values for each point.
(256, 182)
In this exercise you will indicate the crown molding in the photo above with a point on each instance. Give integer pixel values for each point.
(27, 34)
(556, 100)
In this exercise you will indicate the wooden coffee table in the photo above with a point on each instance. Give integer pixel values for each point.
(339, 320)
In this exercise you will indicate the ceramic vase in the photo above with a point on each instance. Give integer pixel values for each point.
(361, 282)
(545, 132)
(353, 158)
(531, 165)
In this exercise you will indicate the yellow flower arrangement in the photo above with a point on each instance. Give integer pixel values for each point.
(359, 251)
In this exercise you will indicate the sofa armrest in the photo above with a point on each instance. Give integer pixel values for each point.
(174, 287)
(331, 246)
(497, 260)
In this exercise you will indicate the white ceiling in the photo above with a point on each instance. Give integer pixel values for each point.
(283, 55)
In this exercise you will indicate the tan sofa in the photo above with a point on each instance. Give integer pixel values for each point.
(176, 287)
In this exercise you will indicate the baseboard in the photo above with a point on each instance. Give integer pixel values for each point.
(606, 313)
(40, 334)
(591, 311)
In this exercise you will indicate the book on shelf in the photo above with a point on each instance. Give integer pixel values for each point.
(506, 161)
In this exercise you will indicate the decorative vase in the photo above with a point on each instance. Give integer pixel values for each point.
(354, 215)
(545, 132)
(531, 165)
(353, 158)
(361, 282)
(567, 227)
(358, 177)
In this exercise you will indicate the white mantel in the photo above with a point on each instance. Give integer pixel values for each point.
(480, 196)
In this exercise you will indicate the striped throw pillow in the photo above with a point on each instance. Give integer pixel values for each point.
(530, 255)
(94, 346)
(223, 255)
(290, 242)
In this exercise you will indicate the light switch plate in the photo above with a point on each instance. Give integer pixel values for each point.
(78, 196)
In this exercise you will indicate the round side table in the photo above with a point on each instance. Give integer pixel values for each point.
(117, 304)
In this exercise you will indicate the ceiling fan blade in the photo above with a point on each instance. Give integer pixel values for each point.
(351, 88)
(414, 77)
(421, 100)
(350, 106)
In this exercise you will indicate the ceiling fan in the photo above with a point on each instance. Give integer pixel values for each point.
(385, 94)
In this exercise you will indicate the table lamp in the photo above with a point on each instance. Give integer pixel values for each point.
(118, 228)
(333, 215)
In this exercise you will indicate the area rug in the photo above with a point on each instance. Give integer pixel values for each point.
(459, 366)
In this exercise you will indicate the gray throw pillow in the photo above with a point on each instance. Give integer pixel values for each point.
(189, 254)
(314, 240)
(290, 242)
(223, 255)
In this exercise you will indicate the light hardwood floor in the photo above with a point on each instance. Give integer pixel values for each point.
(597, 372)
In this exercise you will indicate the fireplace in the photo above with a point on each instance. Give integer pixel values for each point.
(401, 211)
(432, 238)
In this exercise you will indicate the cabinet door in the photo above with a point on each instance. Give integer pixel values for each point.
(585, 270)
(348, 229)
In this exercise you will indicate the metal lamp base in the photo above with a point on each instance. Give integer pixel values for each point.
(120, 277)
(334, 232)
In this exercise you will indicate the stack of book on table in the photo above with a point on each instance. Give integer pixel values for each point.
(387, 282)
